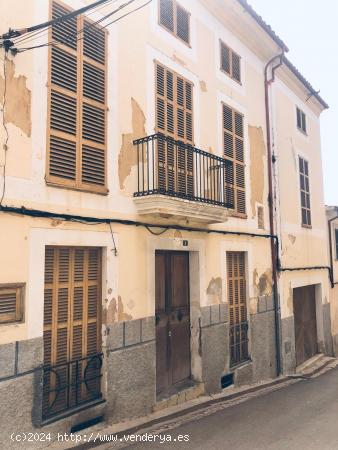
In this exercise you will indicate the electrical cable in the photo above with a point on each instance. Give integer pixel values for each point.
(5, 145)
(45, 31)
(156, 234)
(15, 33)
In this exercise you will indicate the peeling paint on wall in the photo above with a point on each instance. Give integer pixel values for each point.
(178, 60)
(128, 154)
(257, 158)
(203, 86)
(18, 99)
(292, 238)
(122, 316)
(214, 291)
(109, 313)
(263, 284)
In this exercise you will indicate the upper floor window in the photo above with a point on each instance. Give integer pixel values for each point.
(304, 182)
(230, 62)
(175, 19)
(174, 118)
(233, 141)
(301, 120)
(76, 156)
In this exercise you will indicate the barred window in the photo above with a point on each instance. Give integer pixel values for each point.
(237, 299)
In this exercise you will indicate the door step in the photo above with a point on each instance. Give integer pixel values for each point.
(183, 396)
(313, 365)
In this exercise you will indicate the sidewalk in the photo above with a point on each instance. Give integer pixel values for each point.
(185, 412)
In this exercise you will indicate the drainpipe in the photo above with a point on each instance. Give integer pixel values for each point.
(330, 246)
(273, 242)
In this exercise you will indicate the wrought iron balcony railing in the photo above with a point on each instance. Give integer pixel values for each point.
(176, 169)
(70, 385)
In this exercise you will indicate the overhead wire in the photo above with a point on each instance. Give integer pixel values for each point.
(44, 32)
(102, 19)
(15, 33)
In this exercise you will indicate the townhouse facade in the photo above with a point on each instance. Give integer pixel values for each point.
(163, 230)
(332, 239)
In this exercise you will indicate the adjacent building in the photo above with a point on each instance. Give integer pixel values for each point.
(163, 230)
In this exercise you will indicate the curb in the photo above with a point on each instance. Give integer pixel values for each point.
(227, 398)
(183, 412)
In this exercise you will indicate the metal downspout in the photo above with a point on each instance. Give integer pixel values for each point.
(273, 242)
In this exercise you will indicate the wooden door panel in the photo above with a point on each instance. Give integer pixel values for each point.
(179, 281)
(180, 339)
(305, 323)
(172, 319)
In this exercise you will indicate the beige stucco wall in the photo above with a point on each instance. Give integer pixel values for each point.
(133, 45)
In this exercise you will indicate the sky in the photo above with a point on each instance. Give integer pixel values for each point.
(310, 30)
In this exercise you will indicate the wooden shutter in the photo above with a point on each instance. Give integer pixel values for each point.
(301, 120)
(236, 67)
(71, 317)
(174, 118)
(182, 24)
(167, 14)
(230, 62)
(77, 104)
(304, 182)
(236, 282)
(175, 19)
(11, 303)
(233, 141)
(225, 59)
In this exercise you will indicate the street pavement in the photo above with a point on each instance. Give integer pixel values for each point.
(300, 416)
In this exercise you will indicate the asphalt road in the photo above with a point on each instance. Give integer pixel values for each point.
(301, 416)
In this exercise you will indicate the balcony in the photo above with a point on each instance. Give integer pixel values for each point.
(178, 180)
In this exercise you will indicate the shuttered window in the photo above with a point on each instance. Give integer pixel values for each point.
(304, 182)
(336, 235)
(11, 303)
(301, 120)
(72, 326)
(174, 118)
(175, 19)
(236, 283)
(233, 141)
(77, 104)
(230, 62)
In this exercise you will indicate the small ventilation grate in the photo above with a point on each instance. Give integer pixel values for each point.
(227, 380)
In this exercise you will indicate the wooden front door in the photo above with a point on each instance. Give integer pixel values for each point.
(172, 319)
(72, 327)
(304, 307)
